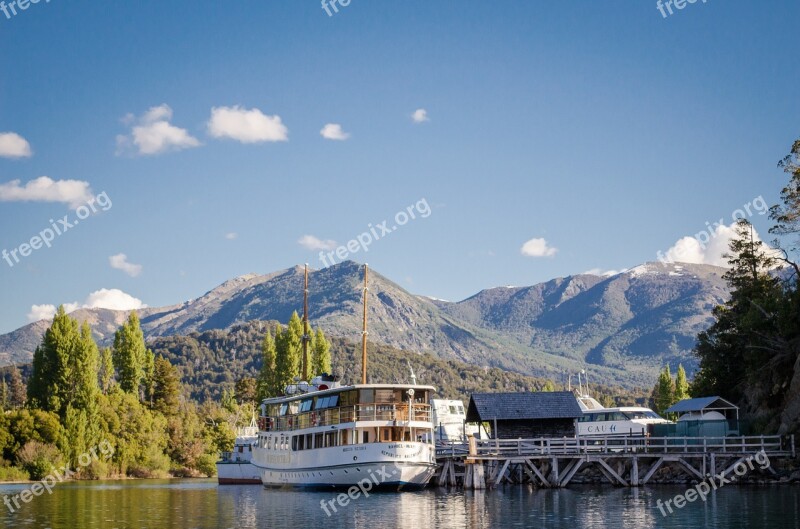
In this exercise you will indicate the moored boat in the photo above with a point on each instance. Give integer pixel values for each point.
(235, 467)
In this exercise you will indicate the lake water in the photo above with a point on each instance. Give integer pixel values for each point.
(186, 504)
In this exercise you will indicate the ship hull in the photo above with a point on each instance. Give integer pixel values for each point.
(238, 473)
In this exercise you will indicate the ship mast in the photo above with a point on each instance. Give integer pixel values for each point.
(306, 336)
(364, 332)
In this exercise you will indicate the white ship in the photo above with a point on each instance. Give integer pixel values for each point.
(326, 436)
(235, 467)
(378, 435)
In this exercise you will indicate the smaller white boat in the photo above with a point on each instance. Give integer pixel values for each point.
(449, 420)
(235, 467)
(597, 420)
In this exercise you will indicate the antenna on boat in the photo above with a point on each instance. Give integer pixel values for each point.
(364, 332)
(306, 337)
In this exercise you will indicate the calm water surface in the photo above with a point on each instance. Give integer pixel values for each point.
(193, 504)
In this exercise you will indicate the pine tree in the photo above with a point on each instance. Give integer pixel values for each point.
(16, 390)
(129, 355)
(267, 378)
(321, 357)
(166, 387)
(106, 370)
(681, 385)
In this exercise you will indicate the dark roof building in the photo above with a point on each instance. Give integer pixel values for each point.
(705, 408)
(526, 415)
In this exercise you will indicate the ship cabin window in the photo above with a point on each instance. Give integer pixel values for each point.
(366, 396)
(365, 438)
(327, 402)
(345, 437)
(348, 398)
(306, 405)
(294, 407)
(318, 441)
(331, 438)
(284, 407)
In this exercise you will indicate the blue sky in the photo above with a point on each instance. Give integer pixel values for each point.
(598, 132)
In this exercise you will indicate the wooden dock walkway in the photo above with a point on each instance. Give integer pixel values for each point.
(624, 461)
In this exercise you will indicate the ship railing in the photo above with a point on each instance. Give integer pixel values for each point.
(769, 444)
(347, 414)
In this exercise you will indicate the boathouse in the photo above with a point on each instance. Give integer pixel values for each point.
(526, 415)
(702, 417)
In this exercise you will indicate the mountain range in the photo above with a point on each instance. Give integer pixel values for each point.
(622, 329)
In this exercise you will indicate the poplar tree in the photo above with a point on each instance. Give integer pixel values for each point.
(267, 377)
(681, 385)
(130, 354)
(105, 376)
(321, 357)
(288, 345)
(49, 384)
(665, 391)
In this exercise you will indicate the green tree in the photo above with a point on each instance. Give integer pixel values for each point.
(549, 386)
(246, 390)
(166, 387)
(736, 348)
(148, 375)
(664, 394)
(267, 381)
(16, 390)
(3, 395)
(321, 357)
(105, 375)
(288, 345)
(130, 354)
(787, 214)
(50, 374)
(65, 368)
(681, 385)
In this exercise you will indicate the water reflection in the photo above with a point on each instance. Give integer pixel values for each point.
(201, 504)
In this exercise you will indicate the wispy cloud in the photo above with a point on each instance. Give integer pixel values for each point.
(120, 262)
(604, 273)
(313, 243)
(104, 298)
(12, 145)
(246, 126)
(152, 134)
(420, 116)
(333, 131)
(232, 236)
(45, 189)
(538, 248)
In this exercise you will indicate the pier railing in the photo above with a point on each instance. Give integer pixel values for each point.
(505, 448)
(346, 414)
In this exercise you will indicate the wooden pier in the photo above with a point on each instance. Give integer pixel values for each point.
(624, 461)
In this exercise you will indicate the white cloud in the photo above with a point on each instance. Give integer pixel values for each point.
(12, 145)
(538, 248)
(120, 262)
(246, 126)
(313, 243)
(333, 131)
(45, 189)
(420, 116)
(705, 247)
(232, 235)
(112, 299)
(604, 273)
(153, 134)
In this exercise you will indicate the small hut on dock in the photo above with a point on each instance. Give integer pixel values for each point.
(526, 415)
